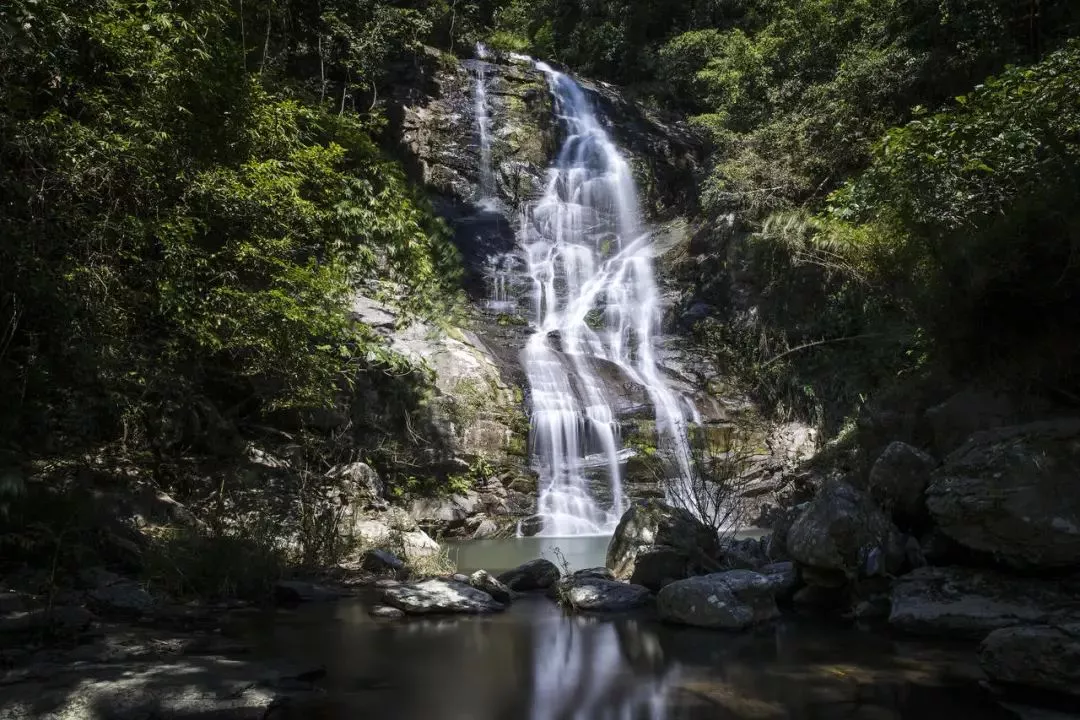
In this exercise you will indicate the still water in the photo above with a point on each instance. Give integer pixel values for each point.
(534, 663)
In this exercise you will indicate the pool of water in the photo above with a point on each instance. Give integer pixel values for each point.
(535, 663)
(579, 552)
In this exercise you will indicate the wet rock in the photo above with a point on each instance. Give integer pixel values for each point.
(385, 612)
(655, 544)
(381, 561)
(594, 594)
(898, 481)
(297, 591)
(485, 581)
(1041, 657)
(534, 575)
(440, 596)
(840, 530)
(730, 600)
(964, 602)
(1012, 493)
(532, 525)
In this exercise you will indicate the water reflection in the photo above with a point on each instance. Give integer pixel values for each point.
(583, 672)
(533, 663)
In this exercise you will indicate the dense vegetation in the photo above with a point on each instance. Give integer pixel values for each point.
(900, 175)
(191, 191)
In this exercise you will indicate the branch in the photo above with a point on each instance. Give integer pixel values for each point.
(816, 343)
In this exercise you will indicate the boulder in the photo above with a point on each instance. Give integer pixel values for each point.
(381, 561)
(485, 581)
(289, 592)
(842, 531)
(1041, 657)
(596, 594)
(784, 578)
(362, 478)
(454, 509)
(1012, 493)
(437, 595)
(730, 600)
(63, 619)
(411, 544)
(534, 575)
(121, 597)
(898, 480)
(655, 544)
(968, 411)
(969, 603)
(745, 554)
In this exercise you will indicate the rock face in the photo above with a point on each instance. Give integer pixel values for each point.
(1012, 493)
(440, 596)
(730, 600)
(899, 478)
(962, 602)
(596, 594)
(1042, 657)
(534, 575)
(842, 532)
(655, 544)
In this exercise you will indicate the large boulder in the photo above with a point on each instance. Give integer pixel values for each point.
(730, 600)
(1012, 493)
(486, 582)
(655, 544)
(968, 603)
(534, 575)
(451, 510)
(597, 594)
(437, 595)
(1042, 657)
(899, 478)
(969, 411)
(842, 533)
(410, 545)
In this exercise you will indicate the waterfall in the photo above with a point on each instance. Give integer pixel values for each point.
(595, 305)
(483, 121)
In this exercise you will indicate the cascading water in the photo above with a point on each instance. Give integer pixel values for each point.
(483, 120)
(595, 305)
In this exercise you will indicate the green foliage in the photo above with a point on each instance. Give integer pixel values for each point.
(184, 220)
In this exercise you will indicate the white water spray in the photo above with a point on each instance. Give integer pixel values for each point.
(595, 303)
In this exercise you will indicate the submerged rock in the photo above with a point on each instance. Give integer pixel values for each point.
(1042, 657)
(597, 594)
(962, 602)
(656, 544)
(1012, 493)
(844, 532)
(730, 600)
(534, 575)
(440, 596)
(485, 581)
(385, 612)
